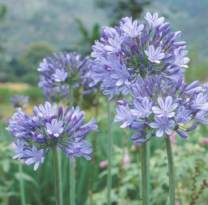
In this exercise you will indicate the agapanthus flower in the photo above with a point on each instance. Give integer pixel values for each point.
(160, 107)
(50, 127)
(154, 20)
(131, 28)
(154, 55)
(163, 125)
(136, 49)
(20, 101)
(165, 107)
(60, 71)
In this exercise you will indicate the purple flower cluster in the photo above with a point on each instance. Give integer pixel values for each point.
(61, 70)
(133, 49)
(161, 107)
(20, 101)
(50, 127)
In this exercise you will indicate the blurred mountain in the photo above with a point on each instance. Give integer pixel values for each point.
(50, 21)
(53, 21)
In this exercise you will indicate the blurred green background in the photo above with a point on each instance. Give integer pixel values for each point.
(32, 29)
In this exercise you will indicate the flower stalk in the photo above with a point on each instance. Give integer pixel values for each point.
(58, 184)
(22, 185)
(110, 143)
(72, 182)
(60, 160)
(72, 166)
(145, 172)
(171, 173)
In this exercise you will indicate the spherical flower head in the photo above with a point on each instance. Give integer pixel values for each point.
(61, 70)
(159, 107)
(50, 126)
(137, 49)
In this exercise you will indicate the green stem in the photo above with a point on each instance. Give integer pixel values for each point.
(171, 173)
(95, 170)
(110, 142)
(57, 177)
(72, 163)
(145, 173)
(60, 161)
(71, 96)
(22, 185)
(72, 181)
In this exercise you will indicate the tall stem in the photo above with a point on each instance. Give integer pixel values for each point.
(72, 176)
(110, 142)
(171, 173)
(22, 186)
(71, 96)
(60, 160)
(95, 170)
(72, 182)
(145, 173)
(57, 178)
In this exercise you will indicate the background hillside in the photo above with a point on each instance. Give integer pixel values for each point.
(51, 21)
(27, 22)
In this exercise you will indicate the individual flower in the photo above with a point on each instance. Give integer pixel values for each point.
(54, 128)
(79, 149)
(160, 107)
(165, 107)
(20, 101)
(143, 107)
(33, 156)
(60, 71)
(135, 49)
(183, 115)
(130, 27)
(180, 58)
(125, 118)
(60, 75)
(154, 55)
(50, 127)
(200, 102)
(202, 117)
(163, 126)
(154, 20)
(46, 110)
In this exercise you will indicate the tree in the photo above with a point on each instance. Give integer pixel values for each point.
(87, 37)
(118, 9)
